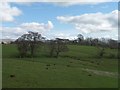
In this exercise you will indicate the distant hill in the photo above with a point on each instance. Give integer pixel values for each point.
(6, 40)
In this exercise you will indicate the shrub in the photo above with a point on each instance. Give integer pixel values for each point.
(101, 52)
(111, 55)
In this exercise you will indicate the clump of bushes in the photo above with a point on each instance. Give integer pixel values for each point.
(111, 55)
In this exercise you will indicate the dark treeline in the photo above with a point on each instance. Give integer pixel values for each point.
(28, 44)
(103, 42)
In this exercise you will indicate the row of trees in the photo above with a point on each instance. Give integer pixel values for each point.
(97, 42)
(28, 43)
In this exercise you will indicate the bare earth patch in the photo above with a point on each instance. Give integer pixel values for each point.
(103, 73)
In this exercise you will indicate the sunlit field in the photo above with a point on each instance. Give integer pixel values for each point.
(80, 67)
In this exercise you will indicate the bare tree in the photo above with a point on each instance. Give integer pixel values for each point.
(22, 48)
(95, 42)
(52, 47)
(101, 52)
(60, 46)
(57, 46)
(28, 43)
(112, 43)
(80, 38)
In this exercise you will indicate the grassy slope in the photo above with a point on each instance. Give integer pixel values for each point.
(33, 73)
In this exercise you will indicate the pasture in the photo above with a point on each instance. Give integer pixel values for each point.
(78, 68)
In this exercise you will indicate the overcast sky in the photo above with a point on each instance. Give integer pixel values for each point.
(60, 19)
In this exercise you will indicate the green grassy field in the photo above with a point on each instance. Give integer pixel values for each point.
(77, 68)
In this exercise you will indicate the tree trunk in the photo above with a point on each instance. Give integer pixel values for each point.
(32, 50)
(57, 54)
